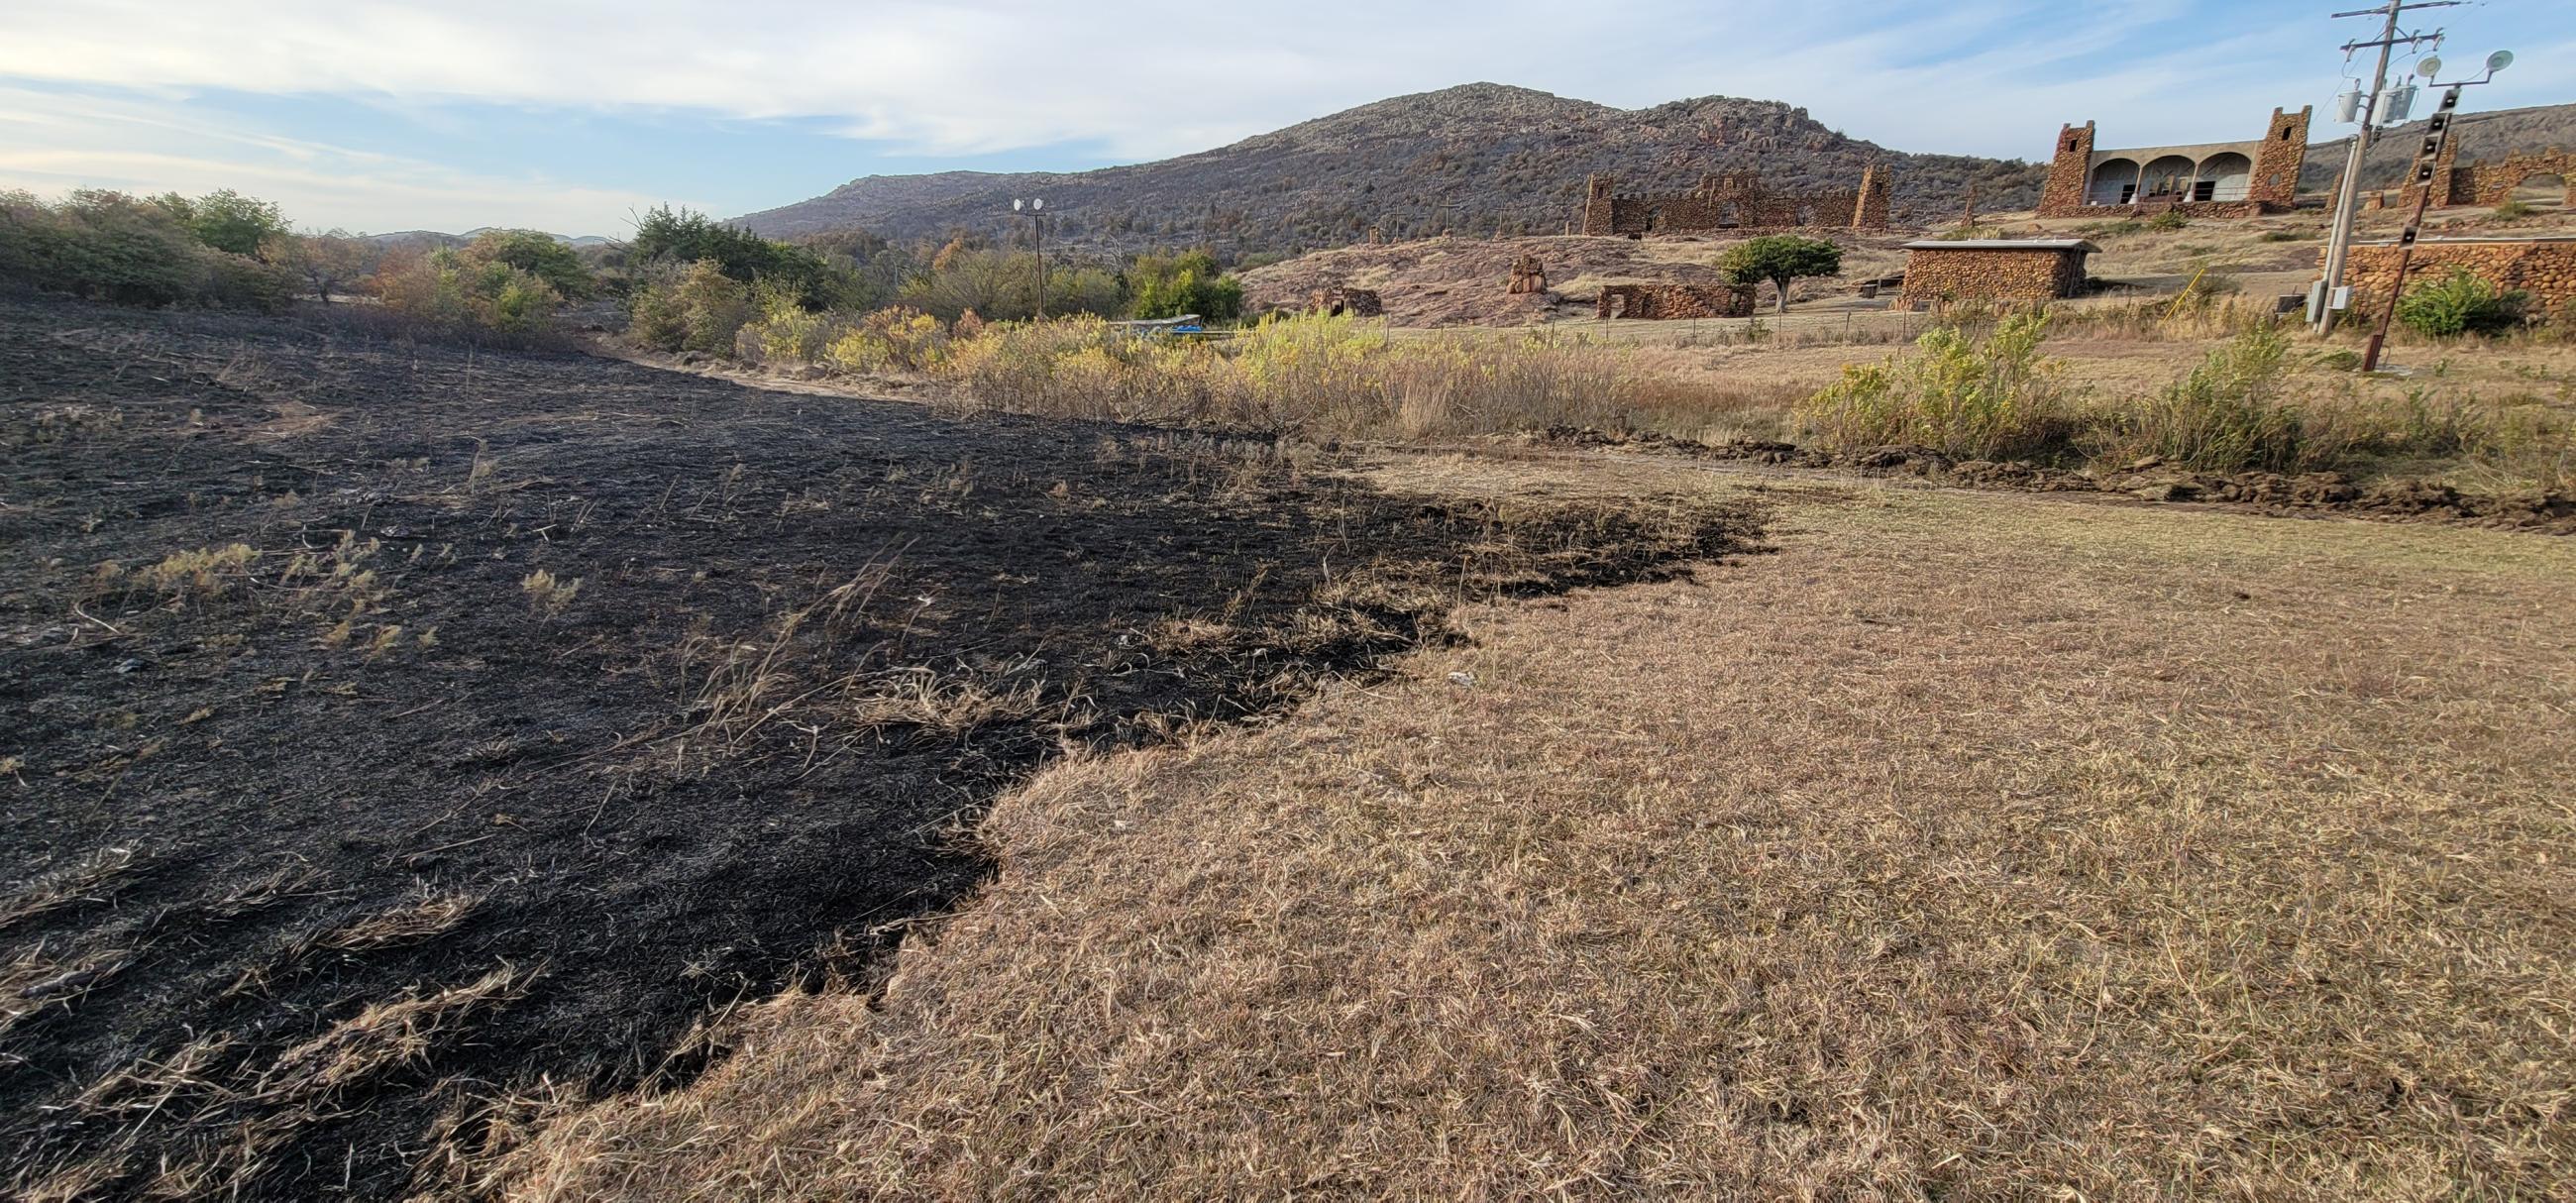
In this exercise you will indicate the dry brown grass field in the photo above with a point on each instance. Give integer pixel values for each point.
(1962, 845)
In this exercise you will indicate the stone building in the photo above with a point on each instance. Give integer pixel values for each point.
(1528, 276)
(2543, 266)
(2490, 184)
(1734, 201)
(2000, 269)
(1673, 302)
(2213, 179)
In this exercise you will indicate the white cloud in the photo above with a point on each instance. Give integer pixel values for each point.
(52, 142)
(1148, 80)
(957, 77)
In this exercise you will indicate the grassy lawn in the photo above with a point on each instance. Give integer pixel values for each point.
(1965, 845)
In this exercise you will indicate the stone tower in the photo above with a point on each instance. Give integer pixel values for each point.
(1597, 206)
(2276, 166)
(1869, 211)
(2069, 171)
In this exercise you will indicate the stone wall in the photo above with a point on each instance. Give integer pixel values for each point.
(1966, 275)
(1356, 302)
(1735, 201)
(1528, 276)
(2490, 184)
(2545, 268)
(1670, 302)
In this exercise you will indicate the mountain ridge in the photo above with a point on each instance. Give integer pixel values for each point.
(1475, 158)
(1487, 158)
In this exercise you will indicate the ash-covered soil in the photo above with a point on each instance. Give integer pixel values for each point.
(397, 734)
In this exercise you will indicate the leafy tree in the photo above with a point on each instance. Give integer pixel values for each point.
(325, 261)
(1780, 258)
(111, 247)
(1168, 286)
(677, 236)
(539, 254)
(228, 221)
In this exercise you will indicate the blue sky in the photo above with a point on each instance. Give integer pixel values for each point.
(570, 116)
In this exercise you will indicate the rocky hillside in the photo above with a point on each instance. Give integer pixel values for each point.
(2481, 135)
(1480, 158)
(1469, 159)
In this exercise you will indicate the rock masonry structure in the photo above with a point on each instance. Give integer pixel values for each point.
(1355, 302)
(1673, 302)
(2544, 267)
(2490, 184)
(2213, 179)
(2028, 269)
(1528, 276)
(1734, 201)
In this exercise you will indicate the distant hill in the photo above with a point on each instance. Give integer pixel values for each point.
(1471, 159)
(1480, 158)
(433, 238)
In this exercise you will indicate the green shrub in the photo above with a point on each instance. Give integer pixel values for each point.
(2459, 303)
(539, 254)
(2288, 236)
(670, 237)
(226, 220)
(1168, 286)
(2513, 210)
(1995, 398)
(445, 294)
(2225, 415)
(107, 246)
(2170, 219)
(701, 309)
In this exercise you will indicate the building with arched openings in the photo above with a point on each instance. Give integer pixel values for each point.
(2210, 179)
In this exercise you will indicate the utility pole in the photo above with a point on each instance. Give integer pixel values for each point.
(1037, 227)
(2347, 194)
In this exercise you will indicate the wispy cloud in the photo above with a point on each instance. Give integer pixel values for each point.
(52, 140)
(1134, 81)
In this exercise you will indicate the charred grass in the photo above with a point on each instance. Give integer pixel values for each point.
(414, 735)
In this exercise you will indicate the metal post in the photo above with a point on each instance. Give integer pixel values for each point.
(2347, 193)
(2425, 161)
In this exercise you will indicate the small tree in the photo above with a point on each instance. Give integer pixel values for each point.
(1780, 258)
(539, 254)
(326, 261)
(228, 221)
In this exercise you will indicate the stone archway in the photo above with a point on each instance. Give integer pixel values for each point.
(2225, 176)
(2167, 179)
(2114, 182)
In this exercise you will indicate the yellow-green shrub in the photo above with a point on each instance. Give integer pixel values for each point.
(1974, 398)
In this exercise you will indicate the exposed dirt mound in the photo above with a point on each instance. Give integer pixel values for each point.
(398, 729)
(2543, 512)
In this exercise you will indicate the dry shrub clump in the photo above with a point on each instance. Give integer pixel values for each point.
(1319, 374)
(1992, 398)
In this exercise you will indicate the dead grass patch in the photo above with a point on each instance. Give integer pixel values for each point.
(1976, 846)
(386, 1035)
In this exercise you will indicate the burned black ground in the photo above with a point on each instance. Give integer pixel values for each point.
(336, 809)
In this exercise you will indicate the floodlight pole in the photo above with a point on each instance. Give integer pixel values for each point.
(1037, 228)
(2348, 192)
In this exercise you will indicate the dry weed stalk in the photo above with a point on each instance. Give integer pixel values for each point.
(94, 878)
(385, 1036)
